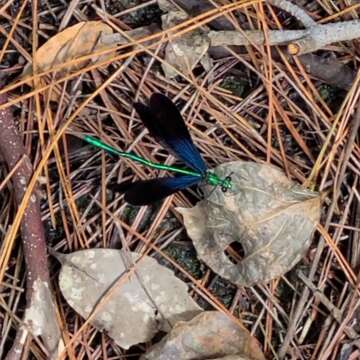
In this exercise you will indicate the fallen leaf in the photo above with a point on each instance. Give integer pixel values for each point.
(75, 41)
(185, 52)
(269, 215)
(151, 299)
(40, 318)
(210, 335)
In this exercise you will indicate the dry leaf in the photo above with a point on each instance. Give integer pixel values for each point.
(78, 40)
(210, 335)
(269, 215)
(185, 52)
(151, 299)
(40, 318)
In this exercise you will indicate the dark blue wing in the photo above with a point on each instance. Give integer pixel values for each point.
(149, 191)
(166, 125)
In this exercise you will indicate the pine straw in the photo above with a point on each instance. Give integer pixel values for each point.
(282, 120)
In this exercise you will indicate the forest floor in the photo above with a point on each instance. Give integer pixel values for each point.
(258, 103)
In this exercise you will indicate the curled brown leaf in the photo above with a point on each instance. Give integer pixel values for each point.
(210, 335)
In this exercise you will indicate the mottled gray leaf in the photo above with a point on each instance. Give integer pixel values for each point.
(210, 335)
(269, 215)
(147, 300)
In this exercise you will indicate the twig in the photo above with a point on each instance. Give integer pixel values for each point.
(301, 41)
(320, 36)
(40, 315)
(313, 37)
(257, 37)
(295, 11)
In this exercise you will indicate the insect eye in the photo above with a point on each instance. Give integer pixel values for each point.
(226, 185)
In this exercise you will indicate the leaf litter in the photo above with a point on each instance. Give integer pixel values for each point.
(272, 217)
(260, 215)
(83, 343)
